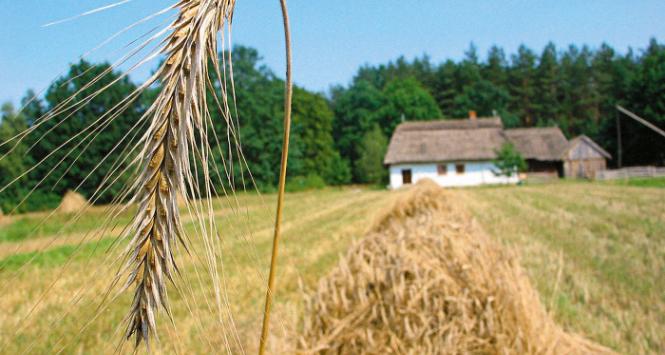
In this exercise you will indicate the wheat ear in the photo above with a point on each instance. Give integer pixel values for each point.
(176, 119)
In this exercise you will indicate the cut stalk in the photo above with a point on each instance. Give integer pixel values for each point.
(282, 180)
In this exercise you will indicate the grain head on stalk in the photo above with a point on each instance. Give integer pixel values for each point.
(165, 157)
(177, 119)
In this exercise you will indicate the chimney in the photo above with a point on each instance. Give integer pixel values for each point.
(472, 115)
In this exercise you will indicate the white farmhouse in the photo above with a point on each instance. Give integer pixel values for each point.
(460, 152)
(449, 152)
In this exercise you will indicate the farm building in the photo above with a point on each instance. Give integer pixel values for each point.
(460, 152)
(583, 158)
(541, 148)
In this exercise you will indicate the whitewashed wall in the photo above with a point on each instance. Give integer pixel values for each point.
(476, 173)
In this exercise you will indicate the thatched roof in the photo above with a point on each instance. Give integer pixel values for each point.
(485, 122)
(538, 143)
(469, 140)
(439, 141)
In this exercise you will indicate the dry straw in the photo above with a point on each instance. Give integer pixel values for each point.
(427, 280)
(282, 182)
(72, 202)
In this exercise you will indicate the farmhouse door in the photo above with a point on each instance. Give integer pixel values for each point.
(406, 176)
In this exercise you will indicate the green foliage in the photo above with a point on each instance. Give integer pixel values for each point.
(260, 106)
(509, 161)
(356, 112)
(337, 171)
(643, 146)
(39, 200)
(305, 183)
(82, 161)
(406, 99)
(522, 78)
(365, 106)
(13, 161)
(369, 166)
(482, 96)
(313, 126)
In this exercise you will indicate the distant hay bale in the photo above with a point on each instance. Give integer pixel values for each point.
(72, 202)
(181, 200)
(427, 280)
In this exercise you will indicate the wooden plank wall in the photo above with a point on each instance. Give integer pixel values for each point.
(585, 169)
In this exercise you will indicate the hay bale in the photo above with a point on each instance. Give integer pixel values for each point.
(72, 202)
(427, 280)
(181, 199)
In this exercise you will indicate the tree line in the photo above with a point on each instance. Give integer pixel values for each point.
(339, 137)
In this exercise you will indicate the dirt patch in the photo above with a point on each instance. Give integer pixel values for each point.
(72, 202)
(427, 280)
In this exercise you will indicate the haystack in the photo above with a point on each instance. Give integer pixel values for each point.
(72, 202)
(181, 199)
(427, 280)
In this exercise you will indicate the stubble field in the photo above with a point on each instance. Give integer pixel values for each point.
(595, 252)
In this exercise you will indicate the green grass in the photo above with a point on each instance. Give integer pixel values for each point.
(57, 256)
(641, 182)
(42, 225)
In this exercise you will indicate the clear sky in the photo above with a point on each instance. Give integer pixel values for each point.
(331, 38)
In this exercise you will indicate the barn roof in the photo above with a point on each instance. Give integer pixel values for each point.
(546, 143)
(445, 140)
(588, 141)
(483, 122)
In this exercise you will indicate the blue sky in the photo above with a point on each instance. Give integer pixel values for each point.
(331, 38)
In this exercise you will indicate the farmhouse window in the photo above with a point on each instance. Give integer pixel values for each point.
(442, 169)
(459, 168)
(406, 176)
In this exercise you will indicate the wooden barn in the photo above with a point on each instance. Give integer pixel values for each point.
(583, 158)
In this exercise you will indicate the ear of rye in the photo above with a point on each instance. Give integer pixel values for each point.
(176, 117)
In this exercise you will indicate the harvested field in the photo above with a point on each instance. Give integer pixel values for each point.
(318, 226)
(594, 252)
(427, 280)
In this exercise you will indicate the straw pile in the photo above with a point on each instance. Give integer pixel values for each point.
(72, 202)
(426, 280)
